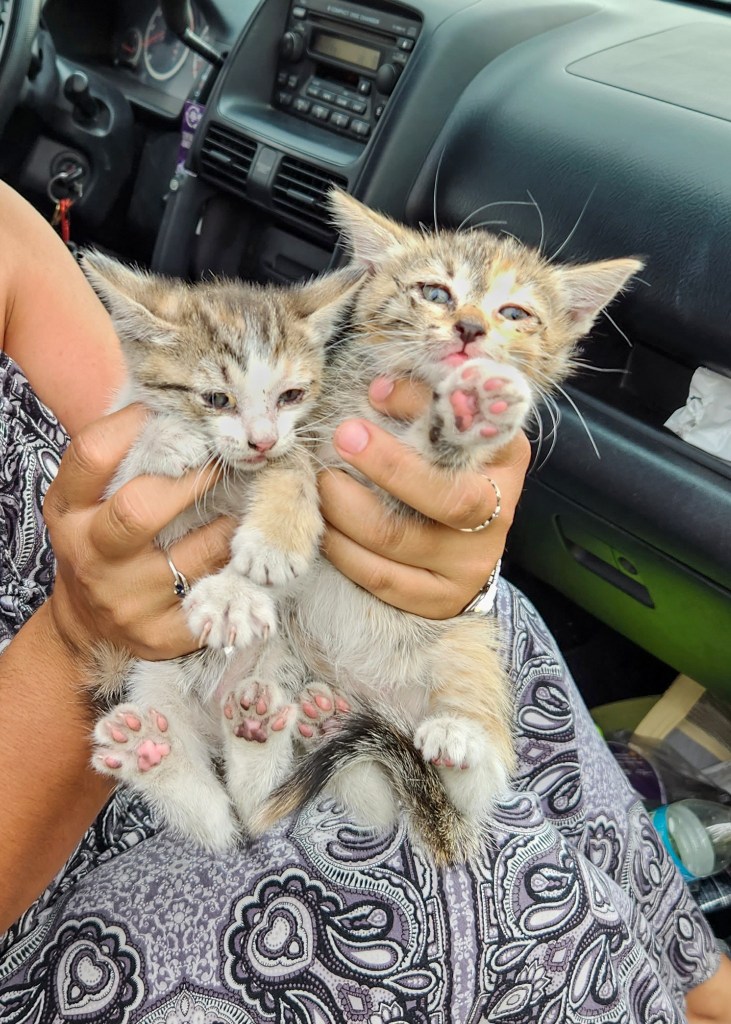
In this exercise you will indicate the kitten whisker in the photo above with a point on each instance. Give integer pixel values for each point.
(436, 184)
(617, 328)
(489, 223)
(573, 229)
(581, 364)
(540, 217)
(200, 501)
(487, 206)
(583, 422)
(536, 412)
(555, 414)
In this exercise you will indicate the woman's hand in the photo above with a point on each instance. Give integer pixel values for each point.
(711, 1000)
(429, 569)
(112, 582)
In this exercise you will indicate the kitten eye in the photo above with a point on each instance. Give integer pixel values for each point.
(436, 293)
(514, 313)
(291, 397)
(219, 400)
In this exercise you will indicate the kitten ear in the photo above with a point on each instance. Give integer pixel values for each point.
(324, 301)
(370, 236)
(130, 297)
(591, 287)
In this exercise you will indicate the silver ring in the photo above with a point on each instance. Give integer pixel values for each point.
(181, 585)
(493, 515)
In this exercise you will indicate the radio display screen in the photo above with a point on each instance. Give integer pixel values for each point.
(343, 49)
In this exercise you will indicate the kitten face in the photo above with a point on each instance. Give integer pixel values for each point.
(431, 302)
(240, 366)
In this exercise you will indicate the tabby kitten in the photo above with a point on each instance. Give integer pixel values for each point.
(230, 375)
(489, 325)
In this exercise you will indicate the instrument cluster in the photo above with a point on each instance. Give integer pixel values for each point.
(144, 48)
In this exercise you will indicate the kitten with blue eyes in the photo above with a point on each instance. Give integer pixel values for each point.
(230, 375)
(489, 324)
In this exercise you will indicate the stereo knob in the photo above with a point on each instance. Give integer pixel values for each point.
(386, 78)
(292, 46)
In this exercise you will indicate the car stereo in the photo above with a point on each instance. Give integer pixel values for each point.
(339, 62)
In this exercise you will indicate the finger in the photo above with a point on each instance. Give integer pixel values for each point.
(203, 551)
(410, 589)
(401, 399)
(460, 501)
(169, 637)
(358, 513)
(91, 460)
(138, 511)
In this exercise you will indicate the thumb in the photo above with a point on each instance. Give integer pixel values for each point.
(401, 399)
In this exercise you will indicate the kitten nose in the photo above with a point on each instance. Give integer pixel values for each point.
(469, 328)
(263, 445)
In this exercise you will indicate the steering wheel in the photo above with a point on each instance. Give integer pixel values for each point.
(18, 26)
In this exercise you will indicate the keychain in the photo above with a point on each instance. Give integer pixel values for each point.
(61, 217)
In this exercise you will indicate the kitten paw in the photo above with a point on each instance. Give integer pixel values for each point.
(227, 610)
(320, 714)
(481, 403)
(472, 771)
(129, 741)
(449, 742)
(255, 711)
(267, 566)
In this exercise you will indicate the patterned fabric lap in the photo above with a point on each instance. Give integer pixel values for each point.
(573, 912)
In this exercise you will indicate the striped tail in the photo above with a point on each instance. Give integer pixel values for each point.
(367, 738)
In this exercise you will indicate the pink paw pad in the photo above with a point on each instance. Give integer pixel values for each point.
(130, 740)
(150, 754)
(464, 405)
(321, 715)
(254, 717)
(447, 762)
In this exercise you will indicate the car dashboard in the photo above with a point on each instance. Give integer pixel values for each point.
(130, 44)
(597, 128)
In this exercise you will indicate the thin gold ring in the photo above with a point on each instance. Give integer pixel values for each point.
(493, 515)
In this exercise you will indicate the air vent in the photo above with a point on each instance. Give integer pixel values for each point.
(226, 158)
(301, 190)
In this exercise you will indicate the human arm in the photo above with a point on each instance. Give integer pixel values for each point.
(112, 583)
(429, 569)
(51, 322)
(711, 1000)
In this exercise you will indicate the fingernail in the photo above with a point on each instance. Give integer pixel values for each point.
(351, 437)
(380, 389)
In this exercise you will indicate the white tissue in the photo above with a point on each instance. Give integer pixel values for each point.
(705, 419)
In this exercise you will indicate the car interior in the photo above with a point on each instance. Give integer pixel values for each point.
(204, 139)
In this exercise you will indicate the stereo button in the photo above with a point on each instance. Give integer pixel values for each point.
(284, 99)
(282, 78)
(342, 101)
(364, 87)
(293, 81)
(361, 128)
(357, 106)
(319, 112)
(301, 105)
(339, 120)
(406, 44)
(327, 96)
(298, 12)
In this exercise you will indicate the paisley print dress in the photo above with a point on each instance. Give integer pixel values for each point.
(572, 914)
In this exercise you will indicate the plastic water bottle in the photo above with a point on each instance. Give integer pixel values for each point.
(697, 834)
